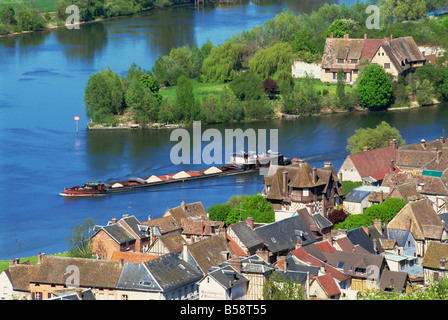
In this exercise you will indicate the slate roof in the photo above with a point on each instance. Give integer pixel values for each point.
(396, 279)
(284, 234)
(171, 272)
(135, 276)
(116, 232)
(350, 261)
(321, 221)
(228, 277)
(135, 226)
(292, 265)
(359, 237)
(254, 264)
(399, 235)
(246, 234)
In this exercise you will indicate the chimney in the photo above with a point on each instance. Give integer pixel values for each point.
(125, 216)
(183, 205)
(391, 37)
(394, 143)
(225, 255)
(184, 254)
(149, 217)
(442, 140)
(439, 155)
(298, 244)
(365, 36)
(331, 35)
(250, 222)
(329, 238)
(114, 220)
(285, 182)
(295, 161)
(121, 262)
(346, 36)
(281, 262)
(391, 167)
(13, 262)
(340, 176)
(381, 196)
(423, 144)
(263, 254)
(236, 264)
(378, 225)
(314, 175)
(365, 148)
(375, 245)
(39, 258)
(327, 164)
(322, 269)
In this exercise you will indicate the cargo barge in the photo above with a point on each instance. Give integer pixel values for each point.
(242, 162)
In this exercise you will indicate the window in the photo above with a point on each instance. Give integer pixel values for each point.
(124, 297)
(305, 192)
(340, 60)
(340, 265)
(387, 66)
(334, 75)
(355, 71)
(327, 70)
(354, 60)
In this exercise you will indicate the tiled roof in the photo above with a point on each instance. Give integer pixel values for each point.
(173, 241)
(328, 285)
(425, 223)
(20, 275)
(396, 279)
(436, 255)
(165, 224)
(207, 253)
(93, 273)
(374, 161)
(135, 257)
(235, 247)
(429, 184)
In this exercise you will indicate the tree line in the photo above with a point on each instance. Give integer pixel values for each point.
(254, 69)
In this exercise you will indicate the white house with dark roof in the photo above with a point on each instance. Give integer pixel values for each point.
(223, 283)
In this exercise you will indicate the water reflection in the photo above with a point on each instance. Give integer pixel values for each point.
(84, 43)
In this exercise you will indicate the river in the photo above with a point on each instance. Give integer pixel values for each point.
(42, 81)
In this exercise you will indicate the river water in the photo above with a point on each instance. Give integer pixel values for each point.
(42, 81)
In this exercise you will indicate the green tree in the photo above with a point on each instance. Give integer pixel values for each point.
(151, 83)
(374, 88)
(339, 28)
(219, 211)
(247, 86)
(222, 63)
(302, 42)
(277, 287)
(7, 15)
(353, 221)
(231, 105)
(386, 210)
(272, 61)
(79, 240)
(255, 206)
(380, 136)
(186, 101)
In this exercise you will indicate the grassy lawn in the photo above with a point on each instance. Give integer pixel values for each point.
(319, 85)
(200, 90)
(4, 264)
(41, 5)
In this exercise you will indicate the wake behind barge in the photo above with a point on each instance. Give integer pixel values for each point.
(242, 162)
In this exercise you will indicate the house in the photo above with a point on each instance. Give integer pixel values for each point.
(14, 281)
(164, 278)
(422, 221)
(358, 199)
(370, 166)
(324, 287)
(196, 229)
(190, 210)
(245, 236)
(127, 234)
(167, 243)
(162, 226)
(435, 262)
(405, 242)
(207, 253)
(73, 294)
(405, 191)
(256, 270)
(223, 283)
(423, 155)
(54, 273)
(282, 236)
(364, 269)
(430, 187)
(396, 55)
(299, 186)
(394, 281)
